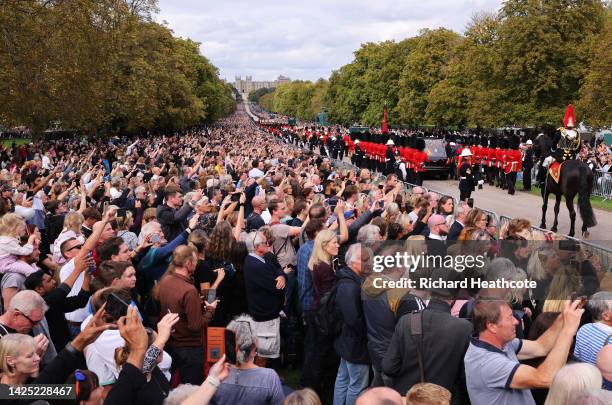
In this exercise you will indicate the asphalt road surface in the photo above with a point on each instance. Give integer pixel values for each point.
(529, 206)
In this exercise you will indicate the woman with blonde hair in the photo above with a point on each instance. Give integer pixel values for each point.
(323, 268)
(475, 221)
(19, 360)
(304, 396)
(570, 379)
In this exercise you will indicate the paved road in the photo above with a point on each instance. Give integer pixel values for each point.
(529, 206)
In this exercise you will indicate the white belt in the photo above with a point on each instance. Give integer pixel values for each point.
(462, 178)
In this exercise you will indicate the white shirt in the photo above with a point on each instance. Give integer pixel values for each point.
(266, 216)
(255, 173)
(80, 314)
(100, 355)
(46, 163)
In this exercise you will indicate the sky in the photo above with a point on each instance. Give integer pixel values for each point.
(308, 39)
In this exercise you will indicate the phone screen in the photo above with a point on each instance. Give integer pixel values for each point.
(155, 238)
(115, 306)
(230, 347)
(210, 295)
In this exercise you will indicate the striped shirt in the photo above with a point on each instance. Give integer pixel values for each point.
(589, 341)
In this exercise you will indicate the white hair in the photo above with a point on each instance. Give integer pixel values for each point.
(462, 208)
(246, 338)
(178, 395)
(147, 229)
(368, 233)
(570, 379)
(253, 239)
(351, 253)
(595, 396)
(600, 303)
(26, 301)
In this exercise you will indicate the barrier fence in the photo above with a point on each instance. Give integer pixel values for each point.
(602, 185)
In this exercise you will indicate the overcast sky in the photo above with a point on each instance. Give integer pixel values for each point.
(304, 39)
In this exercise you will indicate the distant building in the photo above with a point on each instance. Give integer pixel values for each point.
(248, 85)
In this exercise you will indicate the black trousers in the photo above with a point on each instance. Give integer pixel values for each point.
(310, 350)
(526, 178)
(190, 363)
(464, 194)
(324, 367)
(418, 178)
(511, 182)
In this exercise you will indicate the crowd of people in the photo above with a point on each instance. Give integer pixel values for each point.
(120, 256)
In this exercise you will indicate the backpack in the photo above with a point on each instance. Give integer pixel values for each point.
(327, 317)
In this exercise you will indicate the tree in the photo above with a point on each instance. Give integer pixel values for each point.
(595, 105)
(255, 95)
(102, 64)
(544, 48)
(424, 68)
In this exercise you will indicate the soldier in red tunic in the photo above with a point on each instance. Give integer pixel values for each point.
(512, 164)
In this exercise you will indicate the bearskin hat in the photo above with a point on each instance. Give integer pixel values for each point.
(420, 144)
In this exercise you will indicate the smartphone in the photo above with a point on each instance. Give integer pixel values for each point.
(92, 265)
(381, 204)
(220, 341)
(155, 238)
(210, 295)
(115, 306)
(29, 194)
(230, 347)
(104, 207)
(235, 197)
(380, 186)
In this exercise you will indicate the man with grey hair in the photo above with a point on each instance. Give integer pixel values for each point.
(593, 336)
(418, 190)
(352, 342)
(461, 211)
(433, 199)
(26, 314)
(264, 284)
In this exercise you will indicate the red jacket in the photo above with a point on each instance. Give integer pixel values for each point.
(419, 159)
(512, 161)
(499, 157)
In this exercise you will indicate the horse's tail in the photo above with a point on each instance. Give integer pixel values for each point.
(584, 197)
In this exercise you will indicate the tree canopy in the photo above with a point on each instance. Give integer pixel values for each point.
(519, 66)
(102, 64)
(301, 99)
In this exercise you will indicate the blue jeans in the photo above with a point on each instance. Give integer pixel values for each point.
(351, 380)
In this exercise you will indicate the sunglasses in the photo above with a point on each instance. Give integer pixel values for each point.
(33, 322)
(74, 247)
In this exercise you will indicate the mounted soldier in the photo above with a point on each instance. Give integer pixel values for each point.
(565, 145)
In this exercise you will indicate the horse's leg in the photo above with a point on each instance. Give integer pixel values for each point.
(569, 202)
(557, 205)
(544, 206)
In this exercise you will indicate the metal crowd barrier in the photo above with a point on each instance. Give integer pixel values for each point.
(602, 185)
(491, 213)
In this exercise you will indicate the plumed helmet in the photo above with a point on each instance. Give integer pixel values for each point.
(493, 142)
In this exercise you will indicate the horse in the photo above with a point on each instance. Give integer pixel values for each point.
(575, 178)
